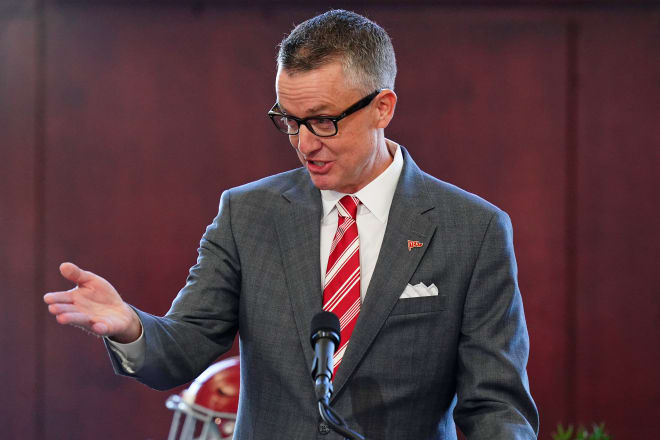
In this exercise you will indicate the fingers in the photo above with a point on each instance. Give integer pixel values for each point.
(75, 274)
(70, 310)
(93, 305)
(100, 328)
(56, 309)
(75, 318)
(83, 321)
(65, 297)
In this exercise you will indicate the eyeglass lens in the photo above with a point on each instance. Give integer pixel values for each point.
(319, 126)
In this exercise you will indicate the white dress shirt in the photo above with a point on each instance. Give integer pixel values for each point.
(374, 208)
(376, 199)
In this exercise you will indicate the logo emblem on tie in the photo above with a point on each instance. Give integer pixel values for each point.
(414, 244)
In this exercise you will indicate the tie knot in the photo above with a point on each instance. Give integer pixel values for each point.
(347, 206)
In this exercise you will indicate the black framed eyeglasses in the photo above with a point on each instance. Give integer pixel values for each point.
(322, 126)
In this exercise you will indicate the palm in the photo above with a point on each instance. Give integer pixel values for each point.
(100, 302)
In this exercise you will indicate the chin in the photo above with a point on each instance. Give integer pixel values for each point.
(322, 183)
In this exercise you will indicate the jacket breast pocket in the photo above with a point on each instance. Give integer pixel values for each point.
(430, 304)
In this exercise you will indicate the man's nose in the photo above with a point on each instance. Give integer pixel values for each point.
(308, 142)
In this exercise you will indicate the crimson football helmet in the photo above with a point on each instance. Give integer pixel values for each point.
(207, 409)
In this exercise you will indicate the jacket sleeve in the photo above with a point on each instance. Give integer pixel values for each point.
(494, 401)
(203, 319)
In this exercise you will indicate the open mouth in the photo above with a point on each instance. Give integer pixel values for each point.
(318, 166)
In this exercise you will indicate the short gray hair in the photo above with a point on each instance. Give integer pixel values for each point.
(362, 46)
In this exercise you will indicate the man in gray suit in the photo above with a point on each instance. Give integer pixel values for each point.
(438, 330)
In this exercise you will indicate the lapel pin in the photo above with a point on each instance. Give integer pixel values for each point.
(414, 244)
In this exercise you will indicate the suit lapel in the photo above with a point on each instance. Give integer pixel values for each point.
(395, 266)
(298, 230)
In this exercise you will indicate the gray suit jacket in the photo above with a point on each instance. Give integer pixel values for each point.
(411, 363)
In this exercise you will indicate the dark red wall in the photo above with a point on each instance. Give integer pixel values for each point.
(121, 124)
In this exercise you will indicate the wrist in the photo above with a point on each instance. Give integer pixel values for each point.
(132, 332)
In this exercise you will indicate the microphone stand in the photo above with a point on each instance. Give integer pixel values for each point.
(329, 415)
(335, 422)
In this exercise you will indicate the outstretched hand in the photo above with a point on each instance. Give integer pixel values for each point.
(93, 305)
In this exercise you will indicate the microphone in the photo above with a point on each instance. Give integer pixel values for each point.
(326, 334)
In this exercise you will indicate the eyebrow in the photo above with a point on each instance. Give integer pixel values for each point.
(317, 109)
(313, 111)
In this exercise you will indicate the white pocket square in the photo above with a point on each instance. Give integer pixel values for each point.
(419, 290)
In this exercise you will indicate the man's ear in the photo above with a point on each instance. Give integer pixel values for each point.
(385, 104)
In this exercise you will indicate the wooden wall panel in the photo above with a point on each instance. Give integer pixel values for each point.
(618, 237)
(152, 111)
(21, 302)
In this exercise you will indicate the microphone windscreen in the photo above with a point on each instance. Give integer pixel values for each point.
(327, 321)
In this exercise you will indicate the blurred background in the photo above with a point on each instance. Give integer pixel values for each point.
(122, 121)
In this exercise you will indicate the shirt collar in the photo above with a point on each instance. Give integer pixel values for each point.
(376, 196)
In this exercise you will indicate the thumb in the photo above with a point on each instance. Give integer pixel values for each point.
(75, 274)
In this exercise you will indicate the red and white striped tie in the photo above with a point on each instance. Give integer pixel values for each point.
(341, 290)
